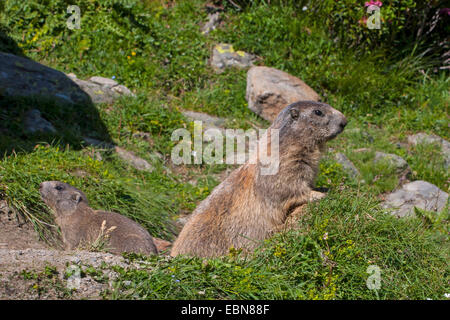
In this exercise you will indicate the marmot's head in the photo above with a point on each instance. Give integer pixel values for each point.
(309, 122)
(61, 197)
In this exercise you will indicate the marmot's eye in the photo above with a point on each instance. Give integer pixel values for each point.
(59, 188)
(318, 113)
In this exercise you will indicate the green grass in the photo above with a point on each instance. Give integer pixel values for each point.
(159, 53)
(290, 265)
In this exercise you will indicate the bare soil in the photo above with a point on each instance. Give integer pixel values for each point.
(30, 269)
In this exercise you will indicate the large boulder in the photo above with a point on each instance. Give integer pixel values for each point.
(20, 76)
(270, 90)
(420, 194)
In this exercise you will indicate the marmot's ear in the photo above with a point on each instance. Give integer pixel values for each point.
(294, 113)
(77, 197)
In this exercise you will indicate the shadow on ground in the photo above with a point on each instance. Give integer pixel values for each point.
(40, 104)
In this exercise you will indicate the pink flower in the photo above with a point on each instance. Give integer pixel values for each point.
(373, 3)
(445, 11)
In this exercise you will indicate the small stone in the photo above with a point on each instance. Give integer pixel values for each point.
(393, 160)
(121, 89)
(225, 56)
(420, 194)
(133, 160)
(421, 137)
(213, 22)
(142, 135)
(161, 245)
(98, 143)
(72, 75)
(98, 93)
(107, 82)
(207, 121)
(75, 260)
(347, 165)
(97, 156)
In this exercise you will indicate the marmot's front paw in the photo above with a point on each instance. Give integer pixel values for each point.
(316, 195)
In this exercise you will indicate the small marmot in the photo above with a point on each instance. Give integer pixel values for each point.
(81, 225)
(248, 206)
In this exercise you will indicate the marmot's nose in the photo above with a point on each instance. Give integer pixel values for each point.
(41, 185)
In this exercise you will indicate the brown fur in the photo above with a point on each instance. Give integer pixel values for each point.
(81, 225)
(247, 206)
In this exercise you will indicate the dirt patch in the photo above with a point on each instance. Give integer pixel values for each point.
(52, 274)
(31, 269)
(15, 233)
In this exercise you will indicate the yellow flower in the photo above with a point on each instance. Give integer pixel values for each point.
(133, 53)
(128, 57)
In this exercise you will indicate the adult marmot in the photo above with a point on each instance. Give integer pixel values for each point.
(248, 206)
(81, 225)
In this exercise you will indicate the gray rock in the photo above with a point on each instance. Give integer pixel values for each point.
(142, 135)
(270, 90)
(225, 56)
(208, 121)
(213, 22)
(128, 156)
(421, 137)
(100, 89)
(121, 89)
(98, 143)
(393, 160)
(97, 92)
(34, 123)
(347, 165)
(133, 160)
(106, 82)
(424, 138)
(24, 77)
(71, 75)
(420, 194)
